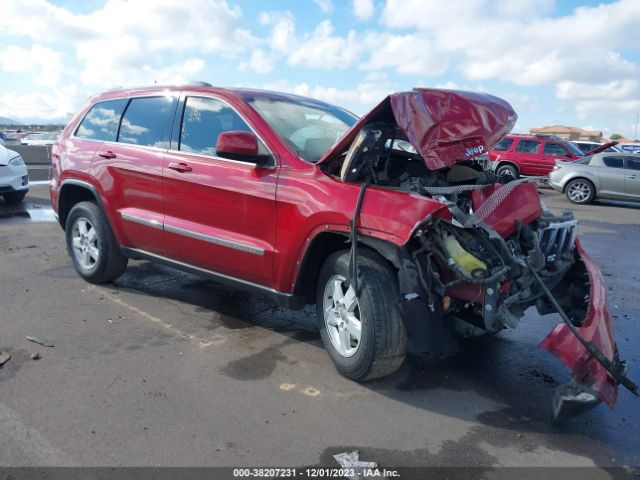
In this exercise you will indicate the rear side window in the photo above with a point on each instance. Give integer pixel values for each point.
(527, 146)
(503, 144)
(146, 122)
(101, 122)
(633, 163)
(555, 149)
(204, 119)
(614, 162)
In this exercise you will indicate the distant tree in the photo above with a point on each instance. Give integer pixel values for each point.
(615, 136)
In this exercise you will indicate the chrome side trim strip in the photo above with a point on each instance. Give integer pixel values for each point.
(142, 221)
(243, 247)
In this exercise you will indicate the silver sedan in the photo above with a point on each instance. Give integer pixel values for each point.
(603, 175)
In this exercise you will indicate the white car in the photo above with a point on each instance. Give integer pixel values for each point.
(39, 139)
(14, 177)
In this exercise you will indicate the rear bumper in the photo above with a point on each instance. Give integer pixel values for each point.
(589, 375)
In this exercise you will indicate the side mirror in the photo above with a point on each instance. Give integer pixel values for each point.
(239, 145)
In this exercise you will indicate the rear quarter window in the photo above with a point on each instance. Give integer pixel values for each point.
(613, 162)
(102, 120)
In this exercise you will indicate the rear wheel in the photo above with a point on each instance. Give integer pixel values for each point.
(580, 191)
(14, 197)
(508, 171)
(91, 244)
(364, 334)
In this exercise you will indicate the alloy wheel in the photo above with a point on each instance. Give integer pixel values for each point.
(579, 191)
(84, 240)
(342, 316)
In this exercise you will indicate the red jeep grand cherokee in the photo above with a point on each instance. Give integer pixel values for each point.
(383, 222)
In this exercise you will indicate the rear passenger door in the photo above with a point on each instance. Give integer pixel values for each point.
(220, 213)
(632, 176)
(611, 175)
(527, 155)
(131, 169)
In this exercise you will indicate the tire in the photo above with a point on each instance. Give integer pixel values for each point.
(381, 348)
(508, 171)
(580, 191)
(14, 197)
(96, 256)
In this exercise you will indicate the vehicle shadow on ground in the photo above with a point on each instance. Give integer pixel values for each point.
(509, 369)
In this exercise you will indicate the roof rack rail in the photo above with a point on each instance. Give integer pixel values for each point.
(199, 83)
(547, 136)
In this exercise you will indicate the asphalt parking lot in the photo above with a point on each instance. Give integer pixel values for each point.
(164, 368)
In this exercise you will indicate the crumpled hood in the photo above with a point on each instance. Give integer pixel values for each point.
(444, 126)
(6, 155)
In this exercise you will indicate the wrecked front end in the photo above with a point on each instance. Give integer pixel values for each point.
(497, 253)
(487, 267)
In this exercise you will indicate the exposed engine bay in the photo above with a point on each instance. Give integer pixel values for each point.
(496, 254)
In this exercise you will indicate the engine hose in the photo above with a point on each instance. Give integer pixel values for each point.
(610, 366)
(353, 259)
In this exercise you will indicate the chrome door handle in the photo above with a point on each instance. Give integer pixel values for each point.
(108, 154)
(631, 176)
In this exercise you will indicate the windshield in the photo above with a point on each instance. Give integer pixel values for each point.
(574, 149)
(309, 127)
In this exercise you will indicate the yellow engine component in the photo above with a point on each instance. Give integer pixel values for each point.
(467, 262)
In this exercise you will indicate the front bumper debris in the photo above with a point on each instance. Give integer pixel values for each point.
(592, 381)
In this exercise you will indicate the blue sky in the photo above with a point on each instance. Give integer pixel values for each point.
(558, 62)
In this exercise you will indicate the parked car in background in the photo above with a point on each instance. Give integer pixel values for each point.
(48, 138)
(604, 175)
(587, 147)
(630, 147)
(531, 155)
(301, 201)
(14, 178)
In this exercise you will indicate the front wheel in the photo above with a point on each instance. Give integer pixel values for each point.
(92, 245)
(580, 191)
(364, 334)
(508, 171)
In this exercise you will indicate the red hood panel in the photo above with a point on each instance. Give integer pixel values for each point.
(444, 126)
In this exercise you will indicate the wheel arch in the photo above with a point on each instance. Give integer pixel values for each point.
(581, 176)
(71, 193)
(511, 163)
(326, 243)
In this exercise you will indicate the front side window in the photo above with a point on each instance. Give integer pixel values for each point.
(503, 144)
(204, 119)
(101, 122)
(527, 146)
(146, 121)
(555, 149)
(308, 127)
(614, 162)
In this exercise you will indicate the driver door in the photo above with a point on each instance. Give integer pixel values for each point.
(220, 214)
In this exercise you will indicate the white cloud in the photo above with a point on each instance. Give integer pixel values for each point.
(46, 105)
(412, 54)
(363, 9)
(323, 50)
(259, 62)
(282, 35)
(325, 5)
(45, 64)
(117, 48)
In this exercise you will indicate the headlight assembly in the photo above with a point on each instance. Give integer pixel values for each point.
(15, 161)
